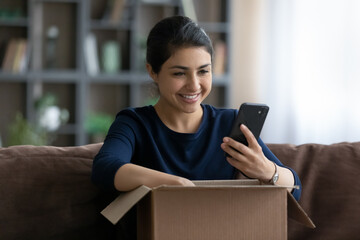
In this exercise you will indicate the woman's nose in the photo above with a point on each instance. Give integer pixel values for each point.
(193, 82)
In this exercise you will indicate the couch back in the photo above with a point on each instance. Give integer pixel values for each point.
(46, 192)
(331, 192)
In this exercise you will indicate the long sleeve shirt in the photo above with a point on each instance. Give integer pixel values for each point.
(138, 136)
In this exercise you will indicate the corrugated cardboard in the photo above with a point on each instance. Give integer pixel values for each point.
(233, 209)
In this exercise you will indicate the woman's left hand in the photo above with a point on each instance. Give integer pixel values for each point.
(250, 160)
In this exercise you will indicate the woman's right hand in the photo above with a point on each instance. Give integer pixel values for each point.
(131, 176)
(182, 181)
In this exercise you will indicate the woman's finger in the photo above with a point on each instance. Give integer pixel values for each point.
(234, 148)
(250, 138)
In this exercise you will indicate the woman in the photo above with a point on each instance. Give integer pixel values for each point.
(179, 139)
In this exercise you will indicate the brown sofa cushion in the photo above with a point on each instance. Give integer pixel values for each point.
(331, 192)
(46, 193)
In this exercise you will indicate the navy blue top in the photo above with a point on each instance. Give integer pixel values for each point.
(138, 136)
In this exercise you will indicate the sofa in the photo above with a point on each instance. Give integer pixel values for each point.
(46, 192)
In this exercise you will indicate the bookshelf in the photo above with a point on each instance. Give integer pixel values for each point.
(63, 35)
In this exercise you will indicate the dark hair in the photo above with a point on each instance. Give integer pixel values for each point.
(170, 34)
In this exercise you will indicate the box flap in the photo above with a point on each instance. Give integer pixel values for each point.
(236, 182)
(296, 212)
(123, 203)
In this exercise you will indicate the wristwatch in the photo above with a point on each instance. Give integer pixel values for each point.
(275, 177)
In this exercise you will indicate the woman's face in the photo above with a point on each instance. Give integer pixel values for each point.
(184, 80)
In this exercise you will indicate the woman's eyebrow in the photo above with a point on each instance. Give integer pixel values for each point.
(178, 66)
(205, 65)
(186, 68)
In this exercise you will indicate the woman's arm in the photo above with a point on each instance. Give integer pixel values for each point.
(131, 176)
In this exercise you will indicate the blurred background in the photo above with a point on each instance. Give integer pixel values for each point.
(68, 66)
(302, 58)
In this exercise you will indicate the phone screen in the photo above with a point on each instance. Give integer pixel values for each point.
(253, 116)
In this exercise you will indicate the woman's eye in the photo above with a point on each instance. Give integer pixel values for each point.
(202, 72)
(179, 74)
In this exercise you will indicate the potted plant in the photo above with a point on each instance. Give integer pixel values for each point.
(97, 125)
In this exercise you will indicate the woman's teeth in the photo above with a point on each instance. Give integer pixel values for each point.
(190, 96)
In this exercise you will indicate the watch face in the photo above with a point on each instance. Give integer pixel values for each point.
(275, 178)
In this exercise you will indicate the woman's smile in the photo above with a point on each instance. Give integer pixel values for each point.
(190, 98)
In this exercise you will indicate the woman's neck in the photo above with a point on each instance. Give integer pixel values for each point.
(179, 121)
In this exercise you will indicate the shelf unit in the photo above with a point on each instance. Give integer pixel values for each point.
(68, 77)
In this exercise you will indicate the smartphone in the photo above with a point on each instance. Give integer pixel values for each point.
(253, 116)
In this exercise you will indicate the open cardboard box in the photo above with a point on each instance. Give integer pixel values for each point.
(230, 209)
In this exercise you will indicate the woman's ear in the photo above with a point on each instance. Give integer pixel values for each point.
(152, 74)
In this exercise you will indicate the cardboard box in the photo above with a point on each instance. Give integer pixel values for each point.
(233, 209)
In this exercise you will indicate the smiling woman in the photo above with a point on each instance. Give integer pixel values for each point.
(179, 139)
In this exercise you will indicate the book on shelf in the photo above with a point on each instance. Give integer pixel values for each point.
(25, 60)
(156, 1)
(20, 57)
(15, 59)
(111, 57)
(219, 57)
(114, 11)
(91, 54)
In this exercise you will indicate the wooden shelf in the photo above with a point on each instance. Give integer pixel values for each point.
(79, 91)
